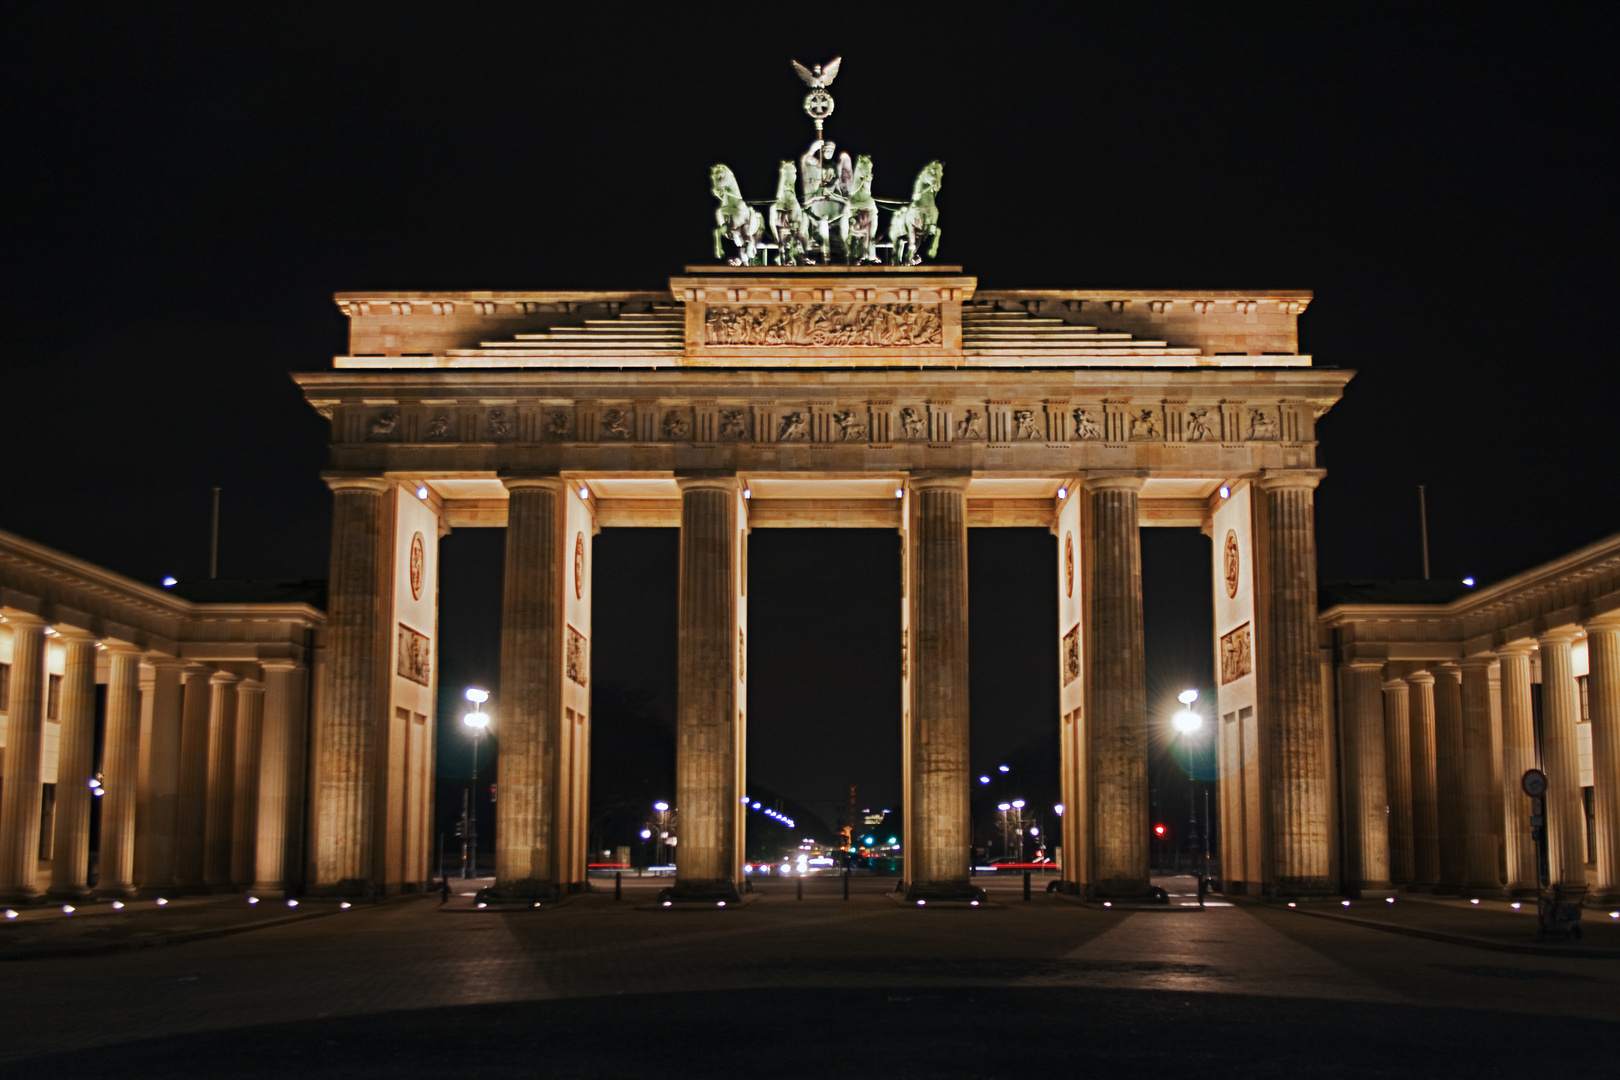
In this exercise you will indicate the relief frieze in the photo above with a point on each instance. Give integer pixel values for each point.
(1236, 657)
(827, 326)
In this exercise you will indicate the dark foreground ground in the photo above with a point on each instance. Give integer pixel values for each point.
(812, 988)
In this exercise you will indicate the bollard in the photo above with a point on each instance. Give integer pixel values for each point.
(1026, 884)
(799, 883)
(618, 884)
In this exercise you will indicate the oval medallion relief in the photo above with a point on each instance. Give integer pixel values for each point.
(418, 564)
(1068, 564)
(579, 566)
(1230, 564)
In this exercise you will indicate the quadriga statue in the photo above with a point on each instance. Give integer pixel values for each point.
(735, 220)
(917, 222)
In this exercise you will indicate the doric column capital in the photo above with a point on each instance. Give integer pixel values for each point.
(223, 678)
(542, 483)
(1114, 481)
(1396, 686)
(1608, 622)
(121, 648)
(1515, 649)
(938, 481)
(1278, 479)
(340, 483)
(250, 686)
(1476, 663)
(1365, 664)
(21, 620)
(279, 664)
(72, 633)
(1561, 635)
(1420, 678)
(716, 481)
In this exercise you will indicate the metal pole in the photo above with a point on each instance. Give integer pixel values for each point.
(1423, 524)
(466, 801)
(618, 885)
(472, 820)
(213, 541)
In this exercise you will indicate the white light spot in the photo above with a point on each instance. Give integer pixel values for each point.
(1468, 581)
(1226, 492)
(899, 493)
(1291, 903)
(118, 905)
(10, 914)
(253, 899)
(345, 906)
(170, 582)
(421, 492)
(1063, 493)
(1342, 903)
(1389, 899)
(162, 902)
(1474, 902)
(292, 903)
(584, 492)
(68, 909)
(922, 903)
(668, 903)
(748, 493)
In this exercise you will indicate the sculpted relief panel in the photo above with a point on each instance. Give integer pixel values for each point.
(1236, 658)
(827, 325)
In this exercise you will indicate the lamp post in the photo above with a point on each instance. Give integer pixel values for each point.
(478, 721)
(1188, 722)
(1018, 807)
(663, 828)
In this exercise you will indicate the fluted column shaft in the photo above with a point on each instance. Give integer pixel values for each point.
(245, 783)
(219, 827)
(531, 690)
(158, 821)
(1481, 829)
(1366, 804)
(1448, 776)
(706, 707)
(1603, 699)
(358, 670)
(1116, 688)
(1298, 757)
(936, 529)
(1560, 712)
(75, 766)
(120, 772)
(1425, 797)
(25, 749)
(192, 802)
(1518, 756)
(277, 848)
(1398, 779)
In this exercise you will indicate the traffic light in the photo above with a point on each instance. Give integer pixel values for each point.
(1158, 830)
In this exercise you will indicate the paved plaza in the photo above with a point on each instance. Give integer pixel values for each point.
(818, 987)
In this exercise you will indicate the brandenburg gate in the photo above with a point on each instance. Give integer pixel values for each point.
(891, 397)
(822, 376)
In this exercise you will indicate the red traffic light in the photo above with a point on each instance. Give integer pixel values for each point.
(1158, 830)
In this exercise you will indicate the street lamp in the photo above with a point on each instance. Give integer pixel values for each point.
(478, 722)
(663, 829)
(1188, 723)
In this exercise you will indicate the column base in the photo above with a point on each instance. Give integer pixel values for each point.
(1426, 887)
(1608, 898)
(702, 891)
(962, 891)
(1520, 891)
(22, 897)
(347, 889)
(69, 895)
(1373, 890)
(1483, 892)
(524, 889)
(113, 892)
(1304, 888)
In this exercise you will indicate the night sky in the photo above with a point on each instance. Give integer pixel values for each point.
(187, 186)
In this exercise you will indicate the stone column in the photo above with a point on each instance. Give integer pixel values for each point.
(25, 746)
(355, 697)
(526, 851)
(937, 855)
(1482, 831)
(1566, 809)
(1425, 798)
(157, 822)
(1116, 687)
(120, 772)
(1366, 805)
(219, 828)
(1518, 757)
(1448, 776)
(1398, 779)
(1291, 684)
(706, 707)
(192, 812)
(245, 784)
(1603, 698)
(278, 851)
(75, 766)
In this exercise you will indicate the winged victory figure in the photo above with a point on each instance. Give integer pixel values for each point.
(822, 77)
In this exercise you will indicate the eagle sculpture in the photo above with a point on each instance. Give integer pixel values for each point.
(822, 77)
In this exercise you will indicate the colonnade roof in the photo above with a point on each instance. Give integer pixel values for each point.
(1564, 594)
(68, 591)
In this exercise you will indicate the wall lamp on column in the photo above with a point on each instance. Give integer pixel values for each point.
(422, 492)
(1063, 492)
(584, 492)
(1226, 492)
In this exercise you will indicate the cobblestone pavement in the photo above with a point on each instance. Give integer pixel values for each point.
(819, 987)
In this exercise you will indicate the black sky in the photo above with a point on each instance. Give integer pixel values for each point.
(187, 185)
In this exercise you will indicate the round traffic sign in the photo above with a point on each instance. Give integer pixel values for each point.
(1534, 783)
